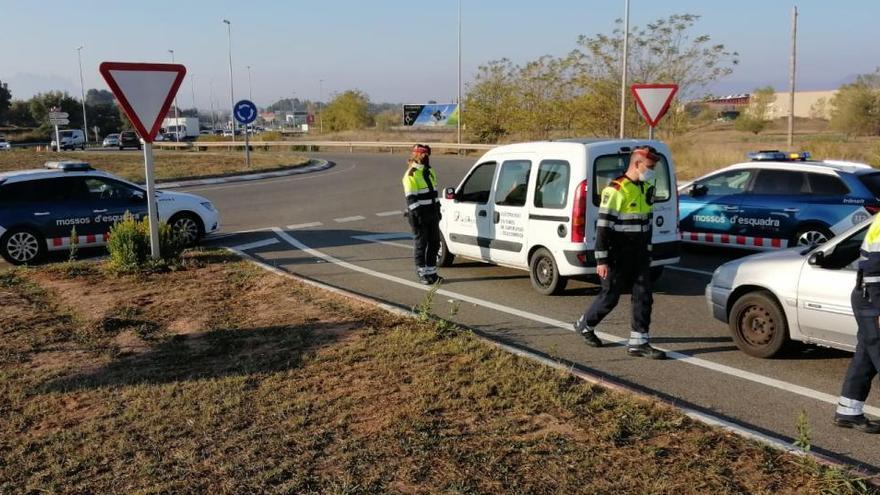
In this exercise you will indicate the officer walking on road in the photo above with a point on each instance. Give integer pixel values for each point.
(865, 364)
(623, 252)
(423, 204)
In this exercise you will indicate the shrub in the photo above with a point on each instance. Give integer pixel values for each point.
(129, 245)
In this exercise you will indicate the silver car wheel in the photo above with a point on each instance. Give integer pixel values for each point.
(186, 230)
(811, 238)
(22, 247)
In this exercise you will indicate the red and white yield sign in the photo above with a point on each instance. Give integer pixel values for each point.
(653, 100)
(145, 92)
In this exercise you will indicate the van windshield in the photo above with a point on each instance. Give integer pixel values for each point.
(609, 167)
(66, 133)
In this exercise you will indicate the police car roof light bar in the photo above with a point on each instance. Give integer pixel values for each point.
(778, 156)
(69, 166)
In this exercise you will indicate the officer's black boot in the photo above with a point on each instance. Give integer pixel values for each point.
(860, 422)
(645, 350)
(587, 333)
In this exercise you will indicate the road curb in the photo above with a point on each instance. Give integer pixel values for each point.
(589, 376)
(316, 166)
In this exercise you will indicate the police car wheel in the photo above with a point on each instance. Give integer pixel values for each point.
(21, 246)
(811, 235)
(187, 228)
(444, 257)
(758, 325)
(544, 273)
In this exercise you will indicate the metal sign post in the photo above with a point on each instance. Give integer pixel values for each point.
(245, 112)
(56, 118)
(145, 92)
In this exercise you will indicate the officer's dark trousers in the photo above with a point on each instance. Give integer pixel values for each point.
(866, 360)
(425, 223)
(622, 275)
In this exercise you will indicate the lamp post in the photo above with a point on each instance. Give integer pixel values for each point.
(82, 89)
(321, 102)
(176, 109)
(459, 73)
(231, 87)
(213, 113)
(623, 68)
(250, 85)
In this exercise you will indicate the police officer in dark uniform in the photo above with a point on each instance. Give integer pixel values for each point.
(866, 360)
(623, 252)
(423, 211)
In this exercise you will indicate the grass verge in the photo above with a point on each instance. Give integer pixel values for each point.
(222, 378)
(170, 165)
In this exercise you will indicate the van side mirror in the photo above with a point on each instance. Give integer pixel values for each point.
(449, 193)
(817, 258)
(698, 190)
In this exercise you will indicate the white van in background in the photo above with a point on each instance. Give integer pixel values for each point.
(71, 139)
(533, 206)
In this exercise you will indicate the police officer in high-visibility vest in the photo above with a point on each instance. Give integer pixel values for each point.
(865, 364)
(623, 252)
(423, 205)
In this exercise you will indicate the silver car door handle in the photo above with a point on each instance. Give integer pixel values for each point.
(791, 210)
(100, 211)
(41, 213)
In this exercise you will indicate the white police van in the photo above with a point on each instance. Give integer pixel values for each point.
(533, 206)
(39, 210)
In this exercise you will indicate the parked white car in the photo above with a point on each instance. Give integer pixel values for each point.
(800, 294)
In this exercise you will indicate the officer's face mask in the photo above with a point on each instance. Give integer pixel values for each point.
(646, 174)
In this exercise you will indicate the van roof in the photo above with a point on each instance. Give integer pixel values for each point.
(538, 146)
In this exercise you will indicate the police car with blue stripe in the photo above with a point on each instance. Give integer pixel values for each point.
(777, 200)
(40, 209)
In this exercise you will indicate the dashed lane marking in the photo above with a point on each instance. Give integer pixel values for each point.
(672, 355)
(389, 213)
(349, 219)
(300, 226)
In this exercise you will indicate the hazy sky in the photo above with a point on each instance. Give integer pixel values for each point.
(401, 51)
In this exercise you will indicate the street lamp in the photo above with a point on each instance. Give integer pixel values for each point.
(250, 85)
(321, 102)
(231, 87)
(192, 87)
(459, 72)
(213, 114)
(82, 89)
(176, 109)
(293, 107)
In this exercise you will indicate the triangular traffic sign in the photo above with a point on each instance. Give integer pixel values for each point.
(653, 100)
(145, 92)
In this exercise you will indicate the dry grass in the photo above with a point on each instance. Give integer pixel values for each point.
(170, 165)
(219, 378)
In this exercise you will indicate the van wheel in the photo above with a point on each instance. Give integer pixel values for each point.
(544, 273)
(758, 325)
(444, 257)
(22, 246)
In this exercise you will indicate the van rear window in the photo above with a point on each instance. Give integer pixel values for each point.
(609, 167)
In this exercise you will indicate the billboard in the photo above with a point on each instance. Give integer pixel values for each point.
(432, 115)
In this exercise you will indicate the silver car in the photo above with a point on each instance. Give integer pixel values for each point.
(801, 294)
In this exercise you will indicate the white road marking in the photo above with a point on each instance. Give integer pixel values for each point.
(304, 225)
(689, 270)
(389, 213)
(257, 244)
(676, 356)
(316, 175)
(384, 239)
(349, 219)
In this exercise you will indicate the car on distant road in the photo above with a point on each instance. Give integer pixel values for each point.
(777, 200)
(4, 145)
(110, 141)
(801, 294)
(129, 139)
(39, 209)
(71, 139)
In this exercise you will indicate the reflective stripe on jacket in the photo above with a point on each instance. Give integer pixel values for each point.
(625, 217)
(419, 192)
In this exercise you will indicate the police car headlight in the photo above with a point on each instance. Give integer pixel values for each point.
(208, 206)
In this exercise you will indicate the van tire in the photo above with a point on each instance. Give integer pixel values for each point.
(444, 257)
(544, 273)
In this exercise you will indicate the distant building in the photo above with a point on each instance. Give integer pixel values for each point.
(807, 104)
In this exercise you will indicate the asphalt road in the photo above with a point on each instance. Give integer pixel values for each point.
(344, 227)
